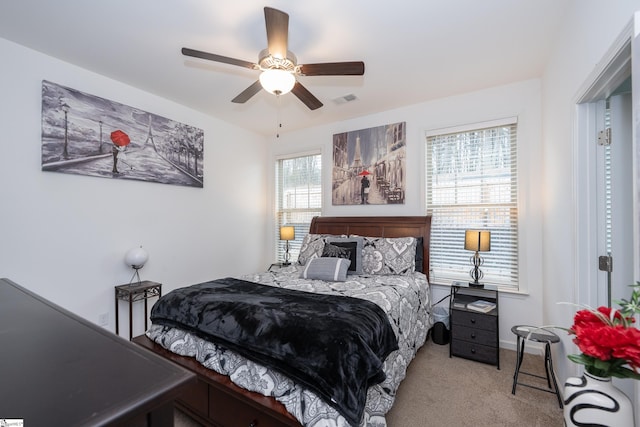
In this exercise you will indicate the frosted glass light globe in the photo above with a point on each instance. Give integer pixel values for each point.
(136, 257)
(277, 82)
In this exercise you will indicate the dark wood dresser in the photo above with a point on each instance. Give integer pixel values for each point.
(59, 369)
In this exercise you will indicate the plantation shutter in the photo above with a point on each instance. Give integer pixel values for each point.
(298, 198)
(471, 183)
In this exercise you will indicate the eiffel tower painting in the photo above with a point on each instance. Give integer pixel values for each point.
(369, 166)
(87, 135)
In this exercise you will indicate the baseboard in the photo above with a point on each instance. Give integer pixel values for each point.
(530, 347)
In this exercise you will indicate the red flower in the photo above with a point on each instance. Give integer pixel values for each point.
(629, 349)
(600, 340)
(607, 339)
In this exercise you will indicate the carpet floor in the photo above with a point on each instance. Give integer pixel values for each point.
(442, 391)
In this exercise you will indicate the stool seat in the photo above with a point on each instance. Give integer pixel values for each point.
(534, 333)
(537, 334)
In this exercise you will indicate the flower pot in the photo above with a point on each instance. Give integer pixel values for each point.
(592, 400)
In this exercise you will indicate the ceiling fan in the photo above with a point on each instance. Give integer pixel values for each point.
(279, 66)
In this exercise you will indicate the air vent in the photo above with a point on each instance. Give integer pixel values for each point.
(344, 99)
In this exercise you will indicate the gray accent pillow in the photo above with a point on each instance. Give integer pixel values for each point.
(329, 269)
(356, 255)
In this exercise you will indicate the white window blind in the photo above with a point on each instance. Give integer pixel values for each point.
(298, 198)
(471, 183)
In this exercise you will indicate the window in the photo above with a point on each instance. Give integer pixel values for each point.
(298, 198)
(471, 183)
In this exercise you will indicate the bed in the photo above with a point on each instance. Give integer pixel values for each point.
(237, 389)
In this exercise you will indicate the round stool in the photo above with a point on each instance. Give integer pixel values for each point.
(534, 333)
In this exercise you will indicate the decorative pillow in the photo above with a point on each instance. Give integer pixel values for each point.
(335, 251)
(330, 269)
(389, 255)
(419, 254)
(311, 247)
(355, 244)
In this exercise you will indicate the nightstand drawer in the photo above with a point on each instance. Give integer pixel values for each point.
(474, 320)
(479, 336)
(473, 351)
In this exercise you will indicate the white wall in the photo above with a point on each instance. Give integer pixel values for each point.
(522, 100)
(64, 236)
(590, 29)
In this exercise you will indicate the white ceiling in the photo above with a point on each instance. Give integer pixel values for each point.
(413, 50)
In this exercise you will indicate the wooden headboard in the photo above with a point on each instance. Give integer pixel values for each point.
(378, 226)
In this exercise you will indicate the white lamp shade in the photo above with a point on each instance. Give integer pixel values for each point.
(277, 82)
(136, 257)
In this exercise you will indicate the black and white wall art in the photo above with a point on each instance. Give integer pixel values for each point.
(87, 135)
(369, 166)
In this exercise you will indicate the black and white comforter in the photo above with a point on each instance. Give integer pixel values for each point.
(405, 300)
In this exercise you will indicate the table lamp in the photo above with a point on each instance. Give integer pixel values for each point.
(287, 232)
(136, 258)
(477, 241)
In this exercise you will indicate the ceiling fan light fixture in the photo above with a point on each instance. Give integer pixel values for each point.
(279, 66)
(276, 81)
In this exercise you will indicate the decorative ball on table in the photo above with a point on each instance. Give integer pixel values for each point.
(136, 258)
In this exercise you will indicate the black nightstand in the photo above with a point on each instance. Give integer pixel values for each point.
(136, 292)
(279, 265)
(474, 335)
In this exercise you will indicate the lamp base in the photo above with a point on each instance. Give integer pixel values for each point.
(136, 274)
(475, 273)
(285, 264)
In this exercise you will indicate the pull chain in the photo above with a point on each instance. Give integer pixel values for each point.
(278, 120)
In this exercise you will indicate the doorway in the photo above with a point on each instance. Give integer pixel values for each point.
(603, 170)
(614, 196)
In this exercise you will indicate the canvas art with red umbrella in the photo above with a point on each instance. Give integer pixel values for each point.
(369, 166)
(87, 135)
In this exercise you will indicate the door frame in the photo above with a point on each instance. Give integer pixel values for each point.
(609, 74)
(612, 70)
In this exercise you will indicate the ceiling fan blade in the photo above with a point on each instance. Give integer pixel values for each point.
(306, 97)
(246, 94)
(277, 23)
(218, 58)
(353, 68)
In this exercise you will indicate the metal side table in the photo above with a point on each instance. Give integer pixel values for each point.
(136, 292)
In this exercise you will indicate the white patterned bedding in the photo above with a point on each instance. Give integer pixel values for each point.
(405, 299)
